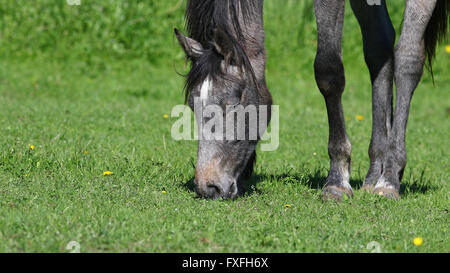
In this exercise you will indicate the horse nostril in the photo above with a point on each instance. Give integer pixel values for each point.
(213, 190)
(233, 189)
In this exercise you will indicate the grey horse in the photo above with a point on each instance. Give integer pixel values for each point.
(226, 50)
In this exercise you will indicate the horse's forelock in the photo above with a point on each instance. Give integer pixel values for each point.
(202, 17)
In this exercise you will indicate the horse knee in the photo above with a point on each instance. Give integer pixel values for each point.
(329, 74)
(341, 150)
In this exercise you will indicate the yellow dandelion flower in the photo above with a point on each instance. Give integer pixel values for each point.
(166, 116)
(107, 173)
(85, 152)
(359, 117)
(164, 192)
(31, 146)
(447, 48)
(418, 241)
(26, 175)
(287, 206)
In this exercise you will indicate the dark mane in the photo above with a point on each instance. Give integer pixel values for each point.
(202, 17)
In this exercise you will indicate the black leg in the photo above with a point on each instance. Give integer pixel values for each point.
(378, 38)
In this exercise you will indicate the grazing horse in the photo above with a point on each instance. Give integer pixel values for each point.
(226, 50)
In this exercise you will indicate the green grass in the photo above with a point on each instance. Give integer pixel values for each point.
(68, 102)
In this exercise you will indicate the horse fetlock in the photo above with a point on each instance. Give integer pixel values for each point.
(337, 183)
(377, 151)
(374, 173)
(388, 183)
(396, 159)
(378, 148)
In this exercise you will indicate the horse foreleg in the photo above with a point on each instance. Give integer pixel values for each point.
(330, 78)
(378, 39)
(409, 62)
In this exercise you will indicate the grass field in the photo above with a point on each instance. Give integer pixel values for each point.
(75, 107)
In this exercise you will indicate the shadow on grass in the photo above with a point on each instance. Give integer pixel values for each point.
(189, 185)
(316, 181)
(313, 180)
(420, 185)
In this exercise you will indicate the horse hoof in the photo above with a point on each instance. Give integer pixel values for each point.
(387, 192)
(336, 193)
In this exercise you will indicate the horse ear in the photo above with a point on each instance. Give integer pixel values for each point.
(224, 46)
(192, 48)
